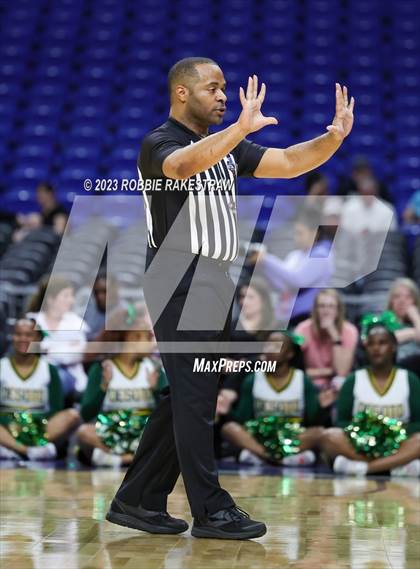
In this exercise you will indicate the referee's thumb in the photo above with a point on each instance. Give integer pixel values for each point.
(271, 120)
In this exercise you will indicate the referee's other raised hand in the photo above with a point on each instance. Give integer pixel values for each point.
(251, 118)
(343, 120)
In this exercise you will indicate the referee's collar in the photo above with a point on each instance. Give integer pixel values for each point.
(184, 127)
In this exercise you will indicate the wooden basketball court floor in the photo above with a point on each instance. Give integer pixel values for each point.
(54, 518)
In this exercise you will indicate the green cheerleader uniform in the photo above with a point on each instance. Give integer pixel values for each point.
(27, 402)
(378, 422)
(275, 417)
(121, 412)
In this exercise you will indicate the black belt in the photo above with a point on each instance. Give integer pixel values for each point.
(224, 265)
(213, 262)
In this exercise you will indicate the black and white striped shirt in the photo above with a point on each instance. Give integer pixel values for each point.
(200, 211)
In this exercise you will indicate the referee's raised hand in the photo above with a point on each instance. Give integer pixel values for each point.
(251, 118)
(343, 119)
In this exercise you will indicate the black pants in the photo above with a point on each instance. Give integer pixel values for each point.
(179, 436)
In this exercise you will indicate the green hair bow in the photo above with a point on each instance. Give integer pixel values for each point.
(387, 319)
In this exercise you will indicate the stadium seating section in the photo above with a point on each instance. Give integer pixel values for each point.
(83, 80)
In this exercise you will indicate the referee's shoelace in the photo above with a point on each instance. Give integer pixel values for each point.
(236, 514)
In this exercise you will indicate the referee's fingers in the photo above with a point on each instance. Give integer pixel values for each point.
(261, 96)
(345, 96)
(255, 82)
(249, 88)
(242, 96)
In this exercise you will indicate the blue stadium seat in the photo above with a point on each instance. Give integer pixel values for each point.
(79, 131)
(123, 170)
(30, 169)
(11, 69)
(36, 150)
(93, 86)
(409, 164)
(125, 152)
(40, 128)
(88, 150)
(49, 89)
(77, 170)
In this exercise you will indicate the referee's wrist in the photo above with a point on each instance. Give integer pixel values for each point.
(243, 132)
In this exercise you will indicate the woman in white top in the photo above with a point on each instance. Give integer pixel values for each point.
(63, 330)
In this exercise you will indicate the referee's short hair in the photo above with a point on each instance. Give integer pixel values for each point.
(185, 71)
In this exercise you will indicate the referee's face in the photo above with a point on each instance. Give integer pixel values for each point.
(206, 100)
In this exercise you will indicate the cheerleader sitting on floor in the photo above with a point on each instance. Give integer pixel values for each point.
(378, 413)
(278, 416)
(121, 393)
(32, 415)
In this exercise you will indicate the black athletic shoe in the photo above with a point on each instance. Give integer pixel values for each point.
(231, 523)
(144, 520)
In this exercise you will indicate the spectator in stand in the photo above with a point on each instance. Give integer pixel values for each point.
(411, 214)
(52, 214)
(330, 341)
(319, 198)
(363, 213)
(316, 189)
(64, 332)
(364, 223)
(298, 270)
(102, 299)
(404, 302)
(256, 311)
(360, 169)
(255, 321)
(32, 415)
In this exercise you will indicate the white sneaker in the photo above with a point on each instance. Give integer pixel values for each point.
(248, 457)
(46, 452)
(102, 458)
(8, 454)
(343, 465)
(411, 469)
(304, 458)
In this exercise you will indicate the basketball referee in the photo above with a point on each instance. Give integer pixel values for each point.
(178, 437)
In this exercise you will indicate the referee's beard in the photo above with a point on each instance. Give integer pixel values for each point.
(203, 115)
(212, 118)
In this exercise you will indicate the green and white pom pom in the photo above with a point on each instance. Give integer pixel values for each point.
(279, 435)
(375, 435)
(121, 430)
(29, 429)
